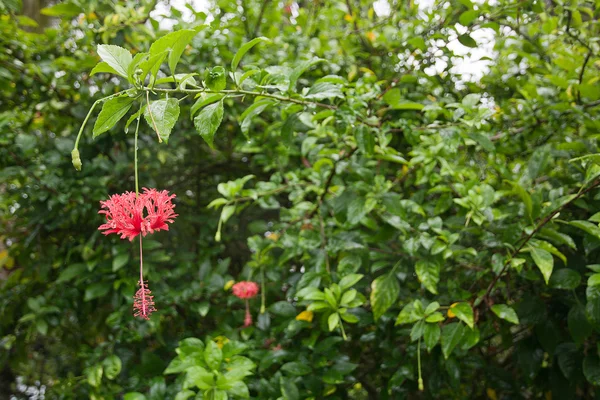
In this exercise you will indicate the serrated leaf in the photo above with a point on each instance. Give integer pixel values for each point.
(208, 121)
(244, 49)
(103, 67)
(174, 43)
(505, 312)
(384, 293)
(161, 116)
(117, 57)
(112, 111)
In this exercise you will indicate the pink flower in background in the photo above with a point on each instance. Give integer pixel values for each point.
(143, 302)
(125, 213)
(245, 289)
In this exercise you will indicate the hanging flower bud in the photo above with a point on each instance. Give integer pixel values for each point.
(76, 160)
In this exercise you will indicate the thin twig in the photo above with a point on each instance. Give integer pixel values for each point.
(245, 92)
(260, 15)
(539, 226)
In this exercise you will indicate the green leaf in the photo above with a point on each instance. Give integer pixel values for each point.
(94, 375)
(544, 261)
(103, 67)
(365, 140)
(134, 396)
(432, 307)
(300, 69)
(208, 121)
(213, 355)
(173, 42)
(116, 57)
(333, 321)
(350, 280)
(324, 90)
(588, 227)
(578, 324)
(119, 261)
(410, 313)
(395, 100)
(152, 64)
(68, 10)
(252, 111)
(239, 389)
(451, 336)
(41, 326)
(296, 368)
(435, 317)
(112, 111)
(384, 293)
(525, 197)
(185, 394)
(215, 78)
(467, 40)
(467, 17)
(244, 49)
(96, 290)
(71, 272)
(164, 116)
(591, 369)
(289, 390)
(428, 273)
(199, 377)
(112, 366)
(505, 312)
(566, 279)
(464, 312)
(431, 335)
(204, 101)
(417, 331)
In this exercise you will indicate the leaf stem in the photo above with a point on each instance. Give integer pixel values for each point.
(152, 115)
(343, 331)
(420, 382)
(135, 153)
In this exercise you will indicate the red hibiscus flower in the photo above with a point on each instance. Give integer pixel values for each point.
(129, 215)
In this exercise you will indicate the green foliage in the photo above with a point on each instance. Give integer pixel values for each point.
(411, 229)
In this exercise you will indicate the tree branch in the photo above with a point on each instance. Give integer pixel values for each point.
(539, 226)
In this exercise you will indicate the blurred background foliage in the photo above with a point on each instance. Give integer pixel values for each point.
(453, 167)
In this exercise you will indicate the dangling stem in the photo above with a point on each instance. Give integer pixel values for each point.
(135, 154)
(141, 265)
(421, 387)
